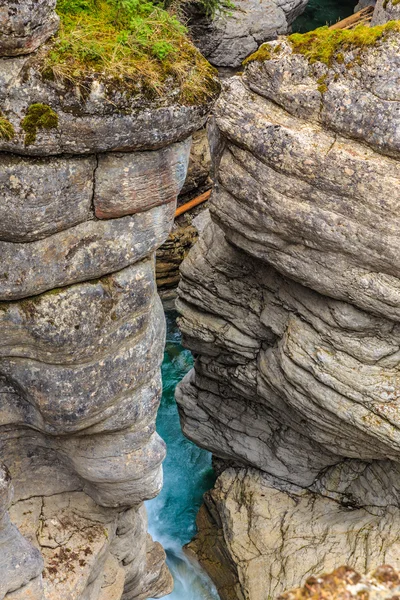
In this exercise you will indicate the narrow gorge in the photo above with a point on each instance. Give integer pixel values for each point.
(114, 120)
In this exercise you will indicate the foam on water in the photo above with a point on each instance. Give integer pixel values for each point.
(187, 475)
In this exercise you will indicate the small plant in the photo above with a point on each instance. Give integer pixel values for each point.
(211, 7)
(39, 116)
(7, 131)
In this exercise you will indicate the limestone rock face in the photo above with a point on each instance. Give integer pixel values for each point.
(101, 119)
(290, 302)
(19, 561)
(25, 24)
(84, 206)
(229, 37)
(385, 11)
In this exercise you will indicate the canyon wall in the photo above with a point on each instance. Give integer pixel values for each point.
(89, 177)
(290, 303)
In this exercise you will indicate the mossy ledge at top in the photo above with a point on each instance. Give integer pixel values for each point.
(117, 80)
(323, 44)
(134, 46)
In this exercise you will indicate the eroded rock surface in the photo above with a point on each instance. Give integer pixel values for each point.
(25, 24)
(234, 34)
(185, 233)
(81, 325)
(385, 10)
(290, 302)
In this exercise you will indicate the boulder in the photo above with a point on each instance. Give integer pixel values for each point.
(236, 31)
(25, 25)
(385, 10)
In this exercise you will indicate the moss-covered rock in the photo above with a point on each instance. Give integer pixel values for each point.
(39, 116)
(324, 44)
(137, 44)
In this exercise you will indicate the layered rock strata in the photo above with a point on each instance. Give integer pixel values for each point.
(234, 33)
(290, 302)
(184, 234)
(88, 193)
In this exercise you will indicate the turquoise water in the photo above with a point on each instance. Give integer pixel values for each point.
(323, 12)
(187, 475)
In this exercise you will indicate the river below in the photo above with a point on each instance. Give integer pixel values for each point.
(187, 475)
(323, 12)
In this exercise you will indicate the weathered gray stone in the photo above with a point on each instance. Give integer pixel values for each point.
(311, 177)
(40, 197)
(385, 10)
(80, 322)
(358, 103)
(233, 34)
(86, 251)
(103, 120)
(96, 397)
(82, 329)
(290, 302)
(197, 177)
(25, 24)
(135, 182)
(19, 560)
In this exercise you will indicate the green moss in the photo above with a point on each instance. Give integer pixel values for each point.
(262, 54)
(7, 131)
(39, 116)
(133, 45)
(322, 87)
(323, 44)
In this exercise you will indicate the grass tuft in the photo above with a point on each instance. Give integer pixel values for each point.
(7, 131)
(38, 116)
(136, 44)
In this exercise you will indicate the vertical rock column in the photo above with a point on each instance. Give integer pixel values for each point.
(88, 187)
